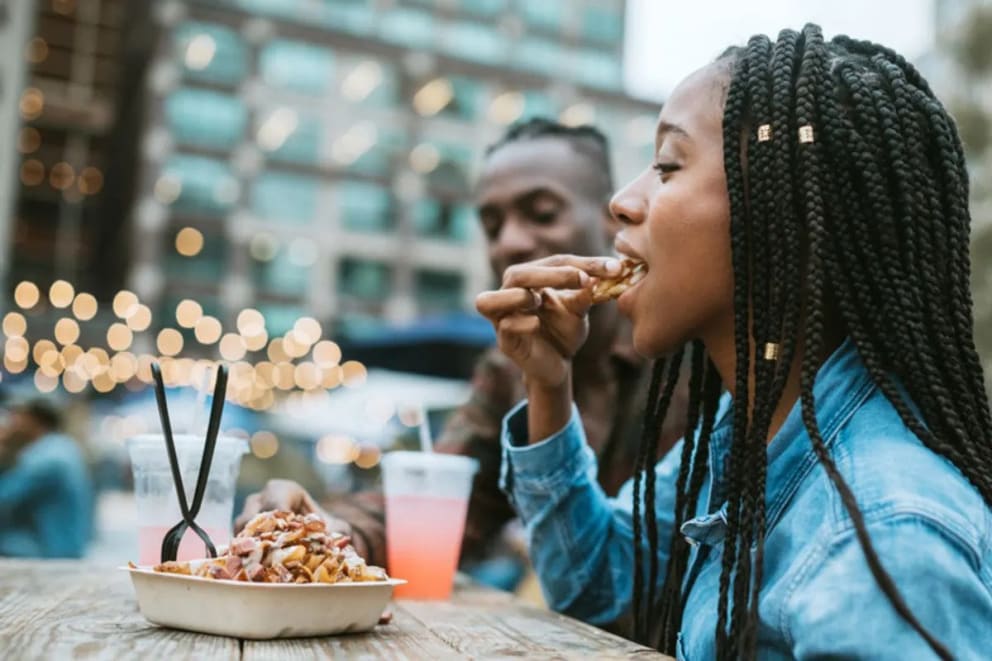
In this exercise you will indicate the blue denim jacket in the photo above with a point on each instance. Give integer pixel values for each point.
(931, 528)
(46, 501)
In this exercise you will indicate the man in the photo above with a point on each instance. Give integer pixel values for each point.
(45, 491)
(544, 190)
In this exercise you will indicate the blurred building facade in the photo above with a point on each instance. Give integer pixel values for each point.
(322, 152)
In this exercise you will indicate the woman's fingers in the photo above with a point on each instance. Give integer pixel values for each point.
(502, 302)
(532, 276)
(597, 267)
(512, 332)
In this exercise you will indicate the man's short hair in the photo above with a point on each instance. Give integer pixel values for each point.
(585, 139)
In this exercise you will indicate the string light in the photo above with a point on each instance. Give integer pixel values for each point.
(188, 312)
(307, 331)
(26, 295)
(125, 304)
(141, 319)
(207, 330)
(66, 331)
(61, 294)
(232, 347)
(119, 337)
(169, 342)
(84, 306)
(189, 242)
(264, 444)
(14, 324)
(326, 354)
(354, 374)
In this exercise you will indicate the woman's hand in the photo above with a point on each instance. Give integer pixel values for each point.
(541, 319)
(540, 313)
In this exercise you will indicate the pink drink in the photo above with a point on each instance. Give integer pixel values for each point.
(190, 548)
(424, 536)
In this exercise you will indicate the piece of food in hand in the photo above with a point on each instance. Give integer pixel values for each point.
(283, 547)
(609, 289)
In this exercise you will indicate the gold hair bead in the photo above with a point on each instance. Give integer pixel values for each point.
(806, 134)
(771, 351)
(764, 133)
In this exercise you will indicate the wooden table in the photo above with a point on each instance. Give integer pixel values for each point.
(75, 610)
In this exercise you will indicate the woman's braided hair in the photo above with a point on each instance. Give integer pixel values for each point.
(848, 197)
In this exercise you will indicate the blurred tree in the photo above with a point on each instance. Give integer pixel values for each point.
(969, 45)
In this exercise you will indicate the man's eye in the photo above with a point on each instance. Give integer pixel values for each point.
(544, 216)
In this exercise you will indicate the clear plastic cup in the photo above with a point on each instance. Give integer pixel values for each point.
(155, 493)
(426, 502)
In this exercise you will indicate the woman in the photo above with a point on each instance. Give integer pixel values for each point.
(805, 231)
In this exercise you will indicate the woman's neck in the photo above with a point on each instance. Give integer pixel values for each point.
(723, 352)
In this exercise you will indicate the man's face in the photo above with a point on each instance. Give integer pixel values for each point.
(22, 427)
(541, 197)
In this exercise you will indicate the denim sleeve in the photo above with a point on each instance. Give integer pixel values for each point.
(840, 612)
(581, 541)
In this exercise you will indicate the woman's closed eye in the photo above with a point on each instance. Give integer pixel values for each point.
(665, 168)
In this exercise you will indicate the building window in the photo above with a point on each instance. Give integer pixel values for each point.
(437, 291)
(412, 28)
(443, 220)
(597, 69)
(211, 53)
(603, 25)
(547, 15)
(197, 185)
(297, 66)
(365, 207)
(205, 118)
(474, 41)
(285, 198)
(297, 142)
(281, 275)
(363, 279)
(541, 55)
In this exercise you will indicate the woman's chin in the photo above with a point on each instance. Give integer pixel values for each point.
(653, 342)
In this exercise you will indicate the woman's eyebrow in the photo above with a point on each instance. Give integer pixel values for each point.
(668, 127)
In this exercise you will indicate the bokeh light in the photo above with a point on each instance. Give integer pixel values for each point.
(169, 342)
(84, 306)
(66, 331)
(61, 294)
(189, 242)
(14, 324)
(354, 374)
(264, 444)
(26, 295)
(188, 312)
(337, 449)
(207, 330)
(119, 337)
(125, 304)
(141, 319)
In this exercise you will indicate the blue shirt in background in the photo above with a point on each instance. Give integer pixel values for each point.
(46, 501)
(931, 528)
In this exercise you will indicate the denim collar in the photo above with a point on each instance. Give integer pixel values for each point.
(841, 386)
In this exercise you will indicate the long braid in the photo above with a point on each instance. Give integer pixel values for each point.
(688, 448)
(733, 121)
(705, 390)
(760, 214)
(671, 381)
(648, 436)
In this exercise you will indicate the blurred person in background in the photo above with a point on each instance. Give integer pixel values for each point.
(45, 490)
(544, 189)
